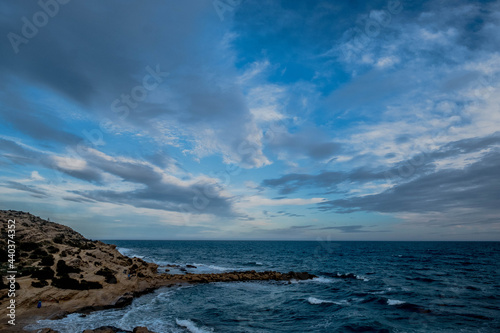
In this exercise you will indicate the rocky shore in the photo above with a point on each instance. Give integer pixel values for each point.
(68, 273)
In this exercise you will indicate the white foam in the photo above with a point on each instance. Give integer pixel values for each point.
(321, 279)
(128, 252)
(395, 302)
(124, 250)
(216, 268)
(359, 277)
(219, 268)
(190, 326)
(316, 301)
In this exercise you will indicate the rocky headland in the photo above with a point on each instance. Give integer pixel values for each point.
(68, 273)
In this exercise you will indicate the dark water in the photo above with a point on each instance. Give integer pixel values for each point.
(382, 287)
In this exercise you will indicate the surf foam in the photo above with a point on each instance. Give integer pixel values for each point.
(190, 326)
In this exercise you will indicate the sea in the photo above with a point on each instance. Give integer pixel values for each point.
(361, 287)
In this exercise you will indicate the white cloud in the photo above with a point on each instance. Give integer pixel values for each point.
(255, 201)
(36, 176)
(70, 163)
(386, 62)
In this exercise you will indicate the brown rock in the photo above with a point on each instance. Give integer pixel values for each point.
(141, 329)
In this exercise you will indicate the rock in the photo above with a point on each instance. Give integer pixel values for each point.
(346, 276)
(113, 329)
(47, 330)
(141, 330)
(124, 301)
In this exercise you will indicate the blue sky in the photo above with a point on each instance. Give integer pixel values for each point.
(300, 120)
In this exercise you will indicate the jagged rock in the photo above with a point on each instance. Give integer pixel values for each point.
(124, 301)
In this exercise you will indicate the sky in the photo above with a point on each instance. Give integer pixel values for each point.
(253, 120)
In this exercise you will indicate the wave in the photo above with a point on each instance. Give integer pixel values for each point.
(347, 276)
(190, 326)
(320, 279)
(128, 252)
(253, 263)
(395, 302)
(217, 268)
(199, 267)
(123, 250)
(316, 301)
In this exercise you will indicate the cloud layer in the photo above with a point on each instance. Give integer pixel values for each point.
(284, 119)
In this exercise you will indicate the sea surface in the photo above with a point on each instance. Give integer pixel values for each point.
(362, 287)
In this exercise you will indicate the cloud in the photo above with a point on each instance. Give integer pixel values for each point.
(255, 200)
(283, 213)
(18, 154)
(309, 143)
(200, 96)
(157, 188)
(36, 176)
(347, 228)
(152, 186)
(421, 163)
(474, 187)
(405, 123)
(292, 182)
(343, 228)
(26, 188)
(34, 119)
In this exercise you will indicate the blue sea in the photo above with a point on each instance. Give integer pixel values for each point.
(361, 287)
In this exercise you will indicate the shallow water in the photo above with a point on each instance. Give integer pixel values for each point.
(362, 287)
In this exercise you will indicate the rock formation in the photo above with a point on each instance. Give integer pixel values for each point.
(69, 273)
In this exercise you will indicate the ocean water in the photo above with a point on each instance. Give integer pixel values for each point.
(362, 287)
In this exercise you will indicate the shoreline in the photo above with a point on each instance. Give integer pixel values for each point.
(71, 274)
(51, 312)
(54, 313)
